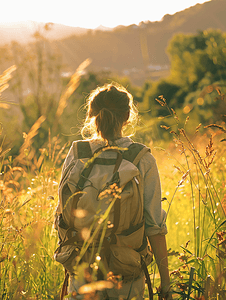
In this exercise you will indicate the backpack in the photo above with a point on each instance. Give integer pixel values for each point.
(101, 192)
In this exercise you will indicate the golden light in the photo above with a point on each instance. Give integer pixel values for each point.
(200, 101)
(95, 286)
(80, 213)
(98, 258)
(85, 233)
(24, 10)
(4, 105)
(209, 88)
(187, 109)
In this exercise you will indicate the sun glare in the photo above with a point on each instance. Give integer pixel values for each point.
(90, 13)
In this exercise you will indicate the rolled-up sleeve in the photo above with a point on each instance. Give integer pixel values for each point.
(154, 215)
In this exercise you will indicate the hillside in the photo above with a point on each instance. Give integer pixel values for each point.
(135, 47)
(22, 32)
(137, 51)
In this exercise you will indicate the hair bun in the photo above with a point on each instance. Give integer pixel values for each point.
(109, 107)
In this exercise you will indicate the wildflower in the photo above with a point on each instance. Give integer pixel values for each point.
(220, 235)
(182, 286)
(172, 253)
(183, 257)
(175, 272)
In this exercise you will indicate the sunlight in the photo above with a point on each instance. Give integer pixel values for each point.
(91, 14)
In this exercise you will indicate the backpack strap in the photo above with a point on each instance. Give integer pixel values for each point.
(102, 161)
(148, 280)
(64, 286)
(140, 155)
(84, 149)
(135, 152)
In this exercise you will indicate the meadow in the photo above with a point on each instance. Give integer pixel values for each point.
(192, 171)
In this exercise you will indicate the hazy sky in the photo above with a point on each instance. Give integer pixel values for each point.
(91, 13)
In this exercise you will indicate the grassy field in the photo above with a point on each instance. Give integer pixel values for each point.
(192, 171)
(193, 182)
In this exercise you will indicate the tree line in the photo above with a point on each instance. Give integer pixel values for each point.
(195, 86)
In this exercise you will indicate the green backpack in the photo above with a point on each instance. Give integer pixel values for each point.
(101, 193)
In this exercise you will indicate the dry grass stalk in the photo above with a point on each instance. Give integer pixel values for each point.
(71, 87)
(216, 126)
(161, 100)
(165, 127)
(193, 149)
(210, 154)
(4, 152)
(28, 137)
(178, 168)
(5, 77)
(55, 146)
(59, 153)
(175, 115)
(197, 128)
(40, 159)
(49, 143)
(185, 175)
(186, 121)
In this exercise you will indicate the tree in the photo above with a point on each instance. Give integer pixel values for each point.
(195, 56)
(197, 80)
(36, 87)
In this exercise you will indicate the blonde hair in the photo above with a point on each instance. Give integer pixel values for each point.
(110, 111)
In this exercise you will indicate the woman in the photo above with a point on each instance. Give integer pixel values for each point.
(110, 111)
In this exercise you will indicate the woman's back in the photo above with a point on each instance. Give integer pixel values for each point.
(110, 110)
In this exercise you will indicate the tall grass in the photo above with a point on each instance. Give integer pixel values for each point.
(27, 237)
(192, 172)
(194, 192)
(196, 210)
